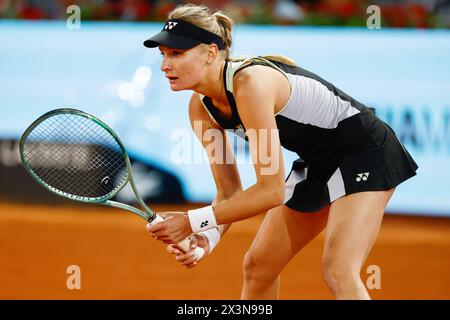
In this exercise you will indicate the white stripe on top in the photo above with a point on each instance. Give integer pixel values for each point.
(312, 103)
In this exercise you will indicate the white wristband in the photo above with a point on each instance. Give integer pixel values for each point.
(202, 219)
(213, 237)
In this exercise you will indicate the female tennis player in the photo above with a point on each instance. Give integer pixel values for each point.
(350, 161)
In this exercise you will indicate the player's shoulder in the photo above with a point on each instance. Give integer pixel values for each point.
(252, 72)
(196, 99)
(254, 78)
(197, 110)
(195, 104)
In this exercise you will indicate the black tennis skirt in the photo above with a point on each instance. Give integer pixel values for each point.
(382, 164)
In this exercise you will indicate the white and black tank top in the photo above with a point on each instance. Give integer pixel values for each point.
(319, 122)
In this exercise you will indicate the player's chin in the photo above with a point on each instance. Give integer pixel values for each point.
(177, 87)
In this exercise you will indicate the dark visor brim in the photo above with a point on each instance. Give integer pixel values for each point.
(171, 40)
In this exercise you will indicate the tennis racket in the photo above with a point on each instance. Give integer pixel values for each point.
(77, 156)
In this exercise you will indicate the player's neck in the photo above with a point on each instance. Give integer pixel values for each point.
(213, 85)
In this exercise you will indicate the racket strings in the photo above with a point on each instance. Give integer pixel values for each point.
(76, 156)
(53, 174)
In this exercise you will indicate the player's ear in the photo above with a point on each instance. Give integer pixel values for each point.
(212, 53)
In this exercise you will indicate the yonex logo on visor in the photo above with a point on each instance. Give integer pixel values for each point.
(170, 24)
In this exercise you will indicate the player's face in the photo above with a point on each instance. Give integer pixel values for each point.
(184, 69)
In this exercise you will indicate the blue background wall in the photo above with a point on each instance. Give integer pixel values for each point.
(104, 69)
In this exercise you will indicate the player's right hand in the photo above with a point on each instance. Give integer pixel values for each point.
(188, 259)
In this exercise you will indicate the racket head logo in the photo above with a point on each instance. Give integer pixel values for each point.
(105, 180)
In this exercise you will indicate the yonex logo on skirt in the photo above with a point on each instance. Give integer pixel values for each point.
(362, 176)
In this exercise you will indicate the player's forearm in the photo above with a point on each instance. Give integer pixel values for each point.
(251, 202)
(221, 196)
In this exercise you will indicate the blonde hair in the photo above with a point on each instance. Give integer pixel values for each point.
(201, 16)
(273, 57)
(218, 23)
(280, 58)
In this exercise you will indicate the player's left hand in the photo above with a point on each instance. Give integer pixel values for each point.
(188, 259)
(173, 229)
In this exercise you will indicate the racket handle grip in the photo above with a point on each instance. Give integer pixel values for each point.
(185, 244)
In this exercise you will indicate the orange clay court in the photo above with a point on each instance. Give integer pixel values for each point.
(119, 260)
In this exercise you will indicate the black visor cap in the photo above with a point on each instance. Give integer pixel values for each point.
(179, 34)
(171, 40)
